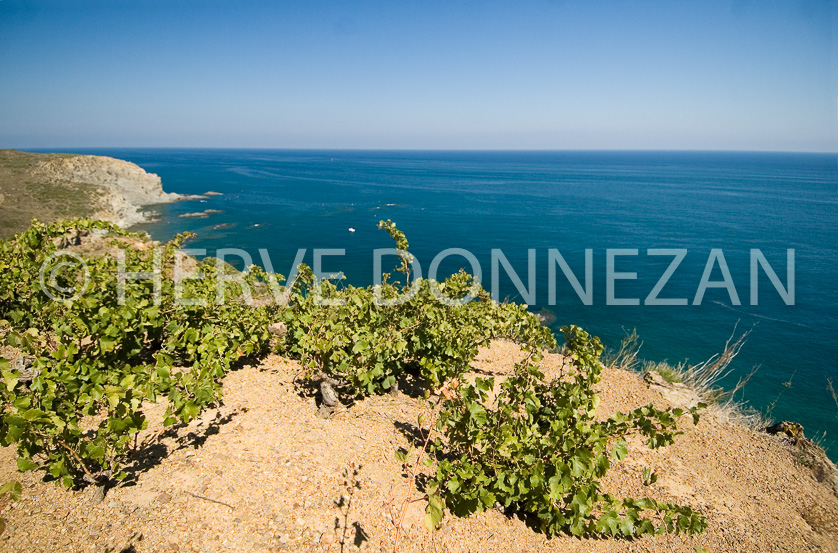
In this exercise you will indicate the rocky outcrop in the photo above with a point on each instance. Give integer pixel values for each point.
(676, 392)
(807, 452)
(125, 187)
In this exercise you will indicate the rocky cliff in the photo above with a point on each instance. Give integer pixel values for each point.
(125, 187)
(50, 187)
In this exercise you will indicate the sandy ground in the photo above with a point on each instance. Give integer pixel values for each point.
(264, 473)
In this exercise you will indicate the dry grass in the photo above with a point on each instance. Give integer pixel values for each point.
(25, 196)
(703, 378)
(627, 357)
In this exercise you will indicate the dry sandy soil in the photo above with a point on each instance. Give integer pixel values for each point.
(264, 473)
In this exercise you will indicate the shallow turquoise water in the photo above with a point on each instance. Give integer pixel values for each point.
(569, 201)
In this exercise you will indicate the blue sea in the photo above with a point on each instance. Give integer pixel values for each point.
(627, 203)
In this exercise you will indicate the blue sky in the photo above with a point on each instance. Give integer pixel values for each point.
(738, 75)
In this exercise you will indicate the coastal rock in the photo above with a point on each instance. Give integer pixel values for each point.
(200, 214)
(677, 393)
(653, 378)
(807, 452)
(125, 187)
(792, 430)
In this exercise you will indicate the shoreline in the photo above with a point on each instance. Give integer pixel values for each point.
(54, 186)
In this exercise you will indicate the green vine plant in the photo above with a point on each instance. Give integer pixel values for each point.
(90, 360)
(537, 449)
(367, 338)
(95, 358)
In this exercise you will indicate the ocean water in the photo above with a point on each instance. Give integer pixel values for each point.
(515, 202)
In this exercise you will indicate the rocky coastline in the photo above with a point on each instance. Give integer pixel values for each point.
(126, 188)
(51, 187)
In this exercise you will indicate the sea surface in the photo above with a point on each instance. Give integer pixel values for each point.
(571, 202)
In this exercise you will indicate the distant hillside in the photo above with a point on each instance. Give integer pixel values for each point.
(50, 187)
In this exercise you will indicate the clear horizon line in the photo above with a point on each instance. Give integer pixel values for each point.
(57, 149)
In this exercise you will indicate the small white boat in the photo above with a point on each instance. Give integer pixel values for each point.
(351, 229)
